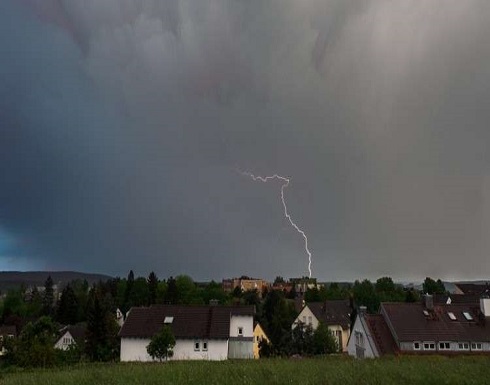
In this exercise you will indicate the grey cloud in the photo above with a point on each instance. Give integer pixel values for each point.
(124, 121)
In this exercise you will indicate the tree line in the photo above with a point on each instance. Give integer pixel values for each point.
(39, 314)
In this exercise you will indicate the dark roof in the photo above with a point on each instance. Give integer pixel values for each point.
(472, 288)
(457, 298)
(8, 330)
(332, 312)
(381, 334)
(411, 324)
(211, 322)
(77, 332)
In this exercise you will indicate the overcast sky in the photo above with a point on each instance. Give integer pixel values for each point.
(123, 124)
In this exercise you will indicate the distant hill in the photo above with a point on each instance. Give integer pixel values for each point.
(14, 279)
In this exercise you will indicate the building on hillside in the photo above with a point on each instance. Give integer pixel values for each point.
(335, 314)
(245, 284)
(259, 336)
(473, 288)
(423, 328)
(69, 336)
(201, 332)
(6, 332)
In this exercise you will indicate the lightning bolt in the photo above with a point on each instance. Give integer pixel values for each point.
(285, 183)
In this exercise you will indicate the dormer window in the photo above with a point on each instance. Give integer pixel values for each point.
(467, 316)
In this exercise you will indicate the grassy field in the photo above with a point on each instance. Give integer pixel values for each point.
(331, 370)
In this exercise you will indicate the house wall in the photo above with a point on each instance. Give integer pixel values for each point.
(344, 336)
(364, 350)
(408, 346)
(245, 322)
(307, 317)
(64, 342)
(259, 335)
(134, 349)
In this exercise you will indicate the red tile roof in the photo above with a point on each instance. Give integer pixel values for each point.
(381, 334)
(409, 322)
(211, 322)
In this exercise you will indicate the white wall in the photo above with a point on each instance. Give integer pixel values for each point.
(134, 349)
(353, 349)
(305, 316)
(246, 322)
(64, 342)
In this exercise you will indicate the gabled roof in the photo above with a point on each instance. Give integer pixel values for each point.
(380, 333)
(211, 322)
(410, 323)
(336, 312)
(76, 331)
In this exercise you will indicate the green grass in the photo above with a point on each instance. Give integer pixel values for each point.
(325, 371)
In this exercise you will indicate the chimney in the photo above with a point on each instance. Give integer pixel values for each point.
(429, 301)
(485, 303)
(362, 310)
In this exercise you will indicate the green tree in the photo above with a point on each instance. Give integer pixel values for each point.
(48, 297)
(162, 344)
(35, 346)
(67, 312)
(101, 344)
(172, 294)
(433, 287)
(152, 288)
(365, 295)
(324, 341)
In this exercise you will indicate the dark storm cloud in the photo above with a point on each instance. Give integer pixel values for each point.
(123, 123)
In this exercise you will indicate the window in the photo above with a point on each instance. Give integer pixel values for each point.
(429, 346)
(426, 313)
(467, 316)
(451, 315)
(310, 320)
(205, 346)
(463, 346)
(416, 346)
(476, 346)
(359, 339)
(444, 346)
(197, 346)
(240, 331)
(304, 319)
(168, 320)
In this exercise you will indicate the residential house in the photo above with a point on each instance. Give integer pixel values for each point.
(69, 336)
(6, 331)
(335, 314)
(423, 328)
(201, 332)
(259, 336)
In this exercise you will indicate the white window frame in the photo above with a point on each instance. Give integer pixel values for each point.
(451, 315)
(205, 346)
(417, 345)
(474, 346)
(445, 345)
(429, 345)
(197, 346)
(463, 346)
(240, 330)
(468, 316)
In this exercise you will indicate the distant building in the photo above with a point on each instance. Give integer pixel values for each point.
(6, 332)
(70, 335)
(201, 332)
(301, 285)
(245, 284)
